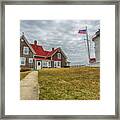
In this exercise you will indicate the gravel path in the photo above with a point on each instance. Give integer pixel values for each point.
(29, 87)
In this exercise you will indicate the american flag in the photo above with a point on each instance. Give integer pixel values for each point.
(84, 31)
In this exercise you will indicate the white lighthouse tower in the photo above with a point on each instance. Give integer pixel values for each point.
(96, 40)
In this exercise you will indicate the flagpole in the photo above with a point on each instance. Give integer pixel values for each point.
(88, 45)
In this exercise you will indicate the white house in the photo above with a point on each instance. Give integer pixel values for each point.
(96, 40)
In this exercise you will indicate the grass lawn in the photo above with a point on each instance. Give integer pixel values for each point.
(23, 74)
(81, 83)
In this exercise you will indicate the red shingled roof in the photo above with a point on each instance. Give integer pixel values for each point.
(56, 59)
(41, 52)
(40, 59)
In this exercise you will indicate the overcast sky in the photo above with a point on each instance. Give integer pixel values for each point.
(64, 34)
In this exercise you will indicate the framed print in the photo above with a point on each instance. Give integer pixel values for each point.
(60, 60)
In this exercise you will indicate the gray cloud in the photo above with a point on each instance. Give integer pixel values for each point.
(64, 34)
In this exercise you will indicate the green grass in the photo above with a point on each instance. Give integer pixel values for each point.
(69, 83)
(23, 74)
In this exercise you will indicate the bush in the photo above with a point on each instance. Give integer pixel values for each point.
(25, 69)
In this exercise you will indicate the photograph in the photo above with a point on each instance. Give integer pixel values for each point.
(60, 59)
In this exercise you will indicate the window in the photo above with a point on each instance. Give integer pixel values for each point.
(25, 50)
(38, 63)
(22, 60)
(55, 64)
(30, 60)
(58, 64)
(59, 55)
(49, 63)
(44, 63)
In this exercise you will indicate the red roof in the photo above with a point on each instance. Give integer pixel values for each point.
(41, 52)
(49, 53)
(56, 59)
(40, 59)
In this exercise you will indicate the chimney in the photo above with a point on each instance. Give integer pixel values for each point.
(35, 42)
(52, 49)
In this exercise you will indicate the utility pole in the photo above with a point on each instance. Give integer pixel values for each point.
(88, 44)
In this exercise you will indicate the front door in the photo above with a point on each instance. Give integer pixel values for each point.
(38, 65)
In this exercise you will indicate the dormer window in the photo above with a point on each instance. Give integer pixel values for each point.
(25, 50)
(59, 55)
